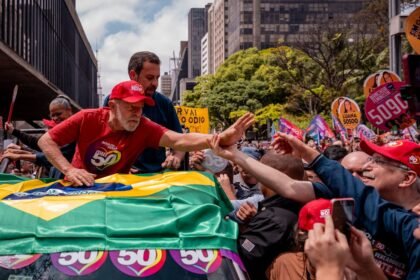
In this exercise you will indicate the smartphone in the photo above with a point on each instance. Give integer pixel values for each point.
(342, 214)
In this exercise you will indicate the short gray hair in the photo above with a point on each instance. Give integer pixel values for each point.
(61, 100)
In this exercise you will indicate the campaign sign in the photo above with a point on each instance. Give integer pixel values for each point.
(197, 261)
(370, 83)
(385, 108)
(138, 263)
(388, 76)
(335, 105)
(349, 113)
(195, 119)
(78, 263)
(18, 261)
(412, 29)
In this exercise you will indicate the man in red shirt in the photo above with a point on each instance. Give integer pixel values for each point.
(109, 140)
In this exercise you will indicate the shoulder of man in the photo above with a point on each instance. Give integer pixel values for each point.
(161, 99)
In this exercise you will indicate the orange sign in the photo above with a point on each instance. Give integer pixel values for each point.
(412, 30)
(349, 113)
(388, 76)
(371, 82)
(379, 78)
(335, 105)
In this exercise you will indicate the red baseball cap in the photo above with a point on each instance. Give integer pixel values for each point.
(131, 92)
(49, 123)
(403, 151)
(313, 212)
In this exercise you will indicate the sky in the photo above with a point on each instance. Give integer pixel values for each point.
(119, 28)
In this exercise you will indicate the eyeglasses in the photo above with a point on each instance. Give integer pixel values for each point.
(382, 161)
(358, 172)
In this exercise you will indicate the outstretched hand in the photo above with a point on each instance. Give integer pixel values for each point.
(172, 161)
(234, 133)
(8, 126)
(227, 153)
(288, 144)
(14, 154)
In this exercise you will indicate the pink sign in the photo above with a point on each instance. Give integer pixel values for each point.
(385, 108)
(18, 261)
(78, 263)
(138, 263)
(197, 261)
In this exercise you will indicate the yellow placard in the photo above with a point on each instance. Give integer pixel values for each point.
(349, 114)
(412, 30)
(195, 119)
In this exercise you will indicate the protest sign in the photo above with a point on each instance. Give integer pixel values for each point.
(349, 113)
(385, 108)
(195, 119)
(412, 30)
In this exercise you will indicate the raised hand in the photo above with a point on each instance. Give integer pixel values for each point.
(327, 249)
(288, 144)
(234, 133)
(224, 152)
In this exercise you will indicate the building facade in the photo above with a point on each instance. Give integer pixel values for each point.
(205, 54)
(220, 36)
(166, 84)
(197, 28)
(44, 50)
(266, 23)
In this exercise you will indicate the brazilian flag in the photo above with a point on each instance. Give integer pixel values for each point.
(171, 210)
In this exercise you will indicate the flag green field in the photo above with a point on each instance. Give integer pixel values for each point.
(171, 210)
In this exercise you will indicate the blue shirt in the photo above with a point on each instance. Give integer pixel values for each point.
(388, 226)
(164, 114)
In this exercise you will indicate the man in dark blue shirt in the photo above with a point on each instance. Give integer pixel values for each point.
(144, 67)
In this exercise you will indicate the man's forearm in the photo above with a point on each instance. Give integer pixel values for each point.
(277, 181)
(185, 142)
(53, 153)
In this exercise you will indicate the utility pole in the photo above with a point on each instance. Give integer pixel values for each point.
(395, 22)
(99, 83)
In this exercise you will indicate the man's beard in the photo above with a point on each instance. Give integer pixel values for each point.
(150, 90)
(130, 124)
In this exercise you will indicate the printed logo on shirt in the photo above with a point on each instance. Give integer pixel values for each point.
(103, 155)
(391, 263)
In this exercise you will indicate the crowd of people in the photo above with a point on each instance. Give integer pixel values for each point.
(282, 191)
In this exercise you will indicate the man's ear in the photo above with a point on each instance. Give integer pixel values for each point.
(132, 74)
(410, 178)
(112, 104)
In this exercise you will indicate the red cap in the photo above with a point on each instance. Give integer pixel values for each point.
(313, 212)
(49, 123)
(403, 151)
(131, 92)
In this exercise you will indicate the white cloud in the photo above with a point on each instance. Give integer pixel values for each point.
(120, 28)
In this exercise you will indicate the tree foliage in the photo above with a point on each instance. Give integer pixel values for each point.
(300, 80)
